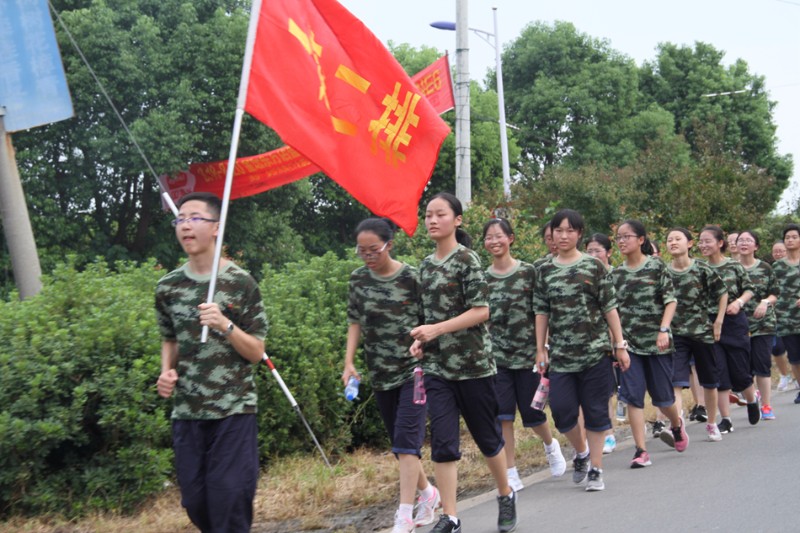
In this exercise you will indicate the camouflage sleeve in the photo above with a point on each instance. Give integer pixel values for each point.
(773, 287)
(541, 305)
(254, 316)
(606, 294)
(667, 288)
(473, 280)
(353, 310)
(163, 318)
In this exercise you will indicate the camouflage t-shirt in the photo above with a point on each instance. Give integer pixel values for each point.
(787, 277)
(735, 277)
(576, 298)
(642, 294)
(450, 287)
(214, 381)
(542, 260)
(697, 289)
(511, 324)
(763, 280)
(387, 309)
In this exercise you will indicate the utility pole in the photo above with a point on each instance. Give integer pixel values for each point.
(463, 163)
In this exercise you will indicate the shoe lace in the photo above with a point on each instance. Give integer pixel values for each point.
(506, 510)
(676, 434)
(594, 474)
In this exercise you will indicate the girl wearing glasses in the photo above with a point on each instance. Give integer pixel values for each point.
(761, 312)
(733, 346)
(574, 302)
(647, 304)
(382, 308)
(512, 322)
(456, 354)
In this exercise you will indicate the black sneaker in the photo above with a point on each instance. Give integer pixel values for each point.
(693, 414)
(658, 427)
(701, 415)
(595, 482)
(753, 413)
(725, 426)
(580, 468)
(445, 525)
(797, 400)
(507, 513)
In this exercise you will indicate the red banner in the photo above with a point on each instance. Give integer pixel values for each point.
(332, 91)
(435, 83)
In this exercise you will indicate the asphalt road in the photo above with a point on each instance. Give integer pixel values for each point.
(747, 482)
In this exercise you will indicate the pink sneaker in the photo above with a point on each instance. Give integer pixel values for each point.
(681, 437)
(426, 509)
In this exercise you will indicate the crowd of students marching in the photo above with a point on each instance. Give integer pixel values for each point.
(485, 338)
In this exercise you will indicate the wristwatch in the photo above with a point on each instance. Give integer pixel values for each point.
(663, 329)
(621, 345)
(228, 330)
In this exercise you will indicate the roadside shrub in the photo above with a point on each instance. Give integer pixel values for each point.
(80, 425)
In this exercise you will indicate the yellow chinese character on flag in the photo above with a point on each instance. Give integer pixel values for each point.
(396, 133)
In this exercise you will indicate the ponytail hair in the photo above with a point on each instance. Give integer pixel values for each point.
(462, 237)
(640, 231)
(718, 234)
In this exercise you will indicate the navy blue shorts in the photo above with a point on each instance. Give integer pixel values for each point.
(705, 363)
(404, 420)
(476, 401)
(586, 390)
(734, 367)
(648, 373)
(217, 466)
(515, 389)
(777, 346)
(761, 355)
(792, 344)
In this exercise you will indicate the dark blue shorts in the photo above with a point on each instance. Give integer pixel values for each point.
(792, 344)
(761, 355)
(777, 346)
(648, 373)
(705, 363)
(586, 390)
(476, 401)
(217, 466)
(734, 367)
(404, 420)
(515, 390)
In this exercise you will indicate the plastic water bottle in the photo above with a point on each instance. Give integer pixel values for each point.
(542, 392)
(622, 410)
(351, 391)
(419, 387)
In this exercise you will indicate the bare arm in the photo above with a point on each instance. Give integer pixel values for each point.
(169, 361)
(612, 319)
(353, 337)
(723, 304)
(542, 357)
(662, 341)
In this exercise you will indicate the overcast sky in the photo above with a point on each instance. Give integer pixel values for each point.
(765, 33)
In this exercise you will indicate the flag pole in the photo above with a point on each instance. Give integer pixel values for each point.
(255, 12)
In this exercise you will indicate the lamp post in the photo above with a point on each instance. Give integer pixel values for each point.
(493, 40)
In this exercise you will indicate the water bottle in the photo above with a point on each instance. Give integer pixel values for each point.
(419, 387)
(622, 410)
(542, 392)
(351, 391)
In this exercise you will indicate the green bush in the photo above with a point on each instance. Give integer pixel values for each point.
(81, 426)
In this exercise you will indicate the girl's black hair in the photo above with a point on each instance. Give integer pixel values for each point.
(504, 224)
(543, 231)
(790, 227)
(462, 237)
(640, 231)
(750, 232)
(718, 234)
(686, 233)
(570, 215)
(382, 227)
(601, 239)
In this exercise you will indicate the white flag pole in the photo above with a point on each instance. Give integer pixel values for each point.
(255, 12)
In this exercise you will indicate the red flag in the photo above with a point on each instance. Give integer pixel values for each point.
(331, 90)
(435, 83)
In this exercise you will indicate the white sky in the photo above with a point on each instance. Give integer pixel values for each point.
(765, 33)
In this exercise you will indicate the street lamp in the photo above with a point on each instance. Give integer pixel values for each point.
(493, 40)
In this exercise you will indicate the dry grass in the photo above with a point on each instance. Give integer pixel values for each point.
(362, 479)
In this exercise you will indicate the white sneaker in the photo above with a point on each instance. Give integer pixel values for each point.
(515, 482)
(402, 524)
(713, 433)
(558, 465)
(426, 510)
(783, 383)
